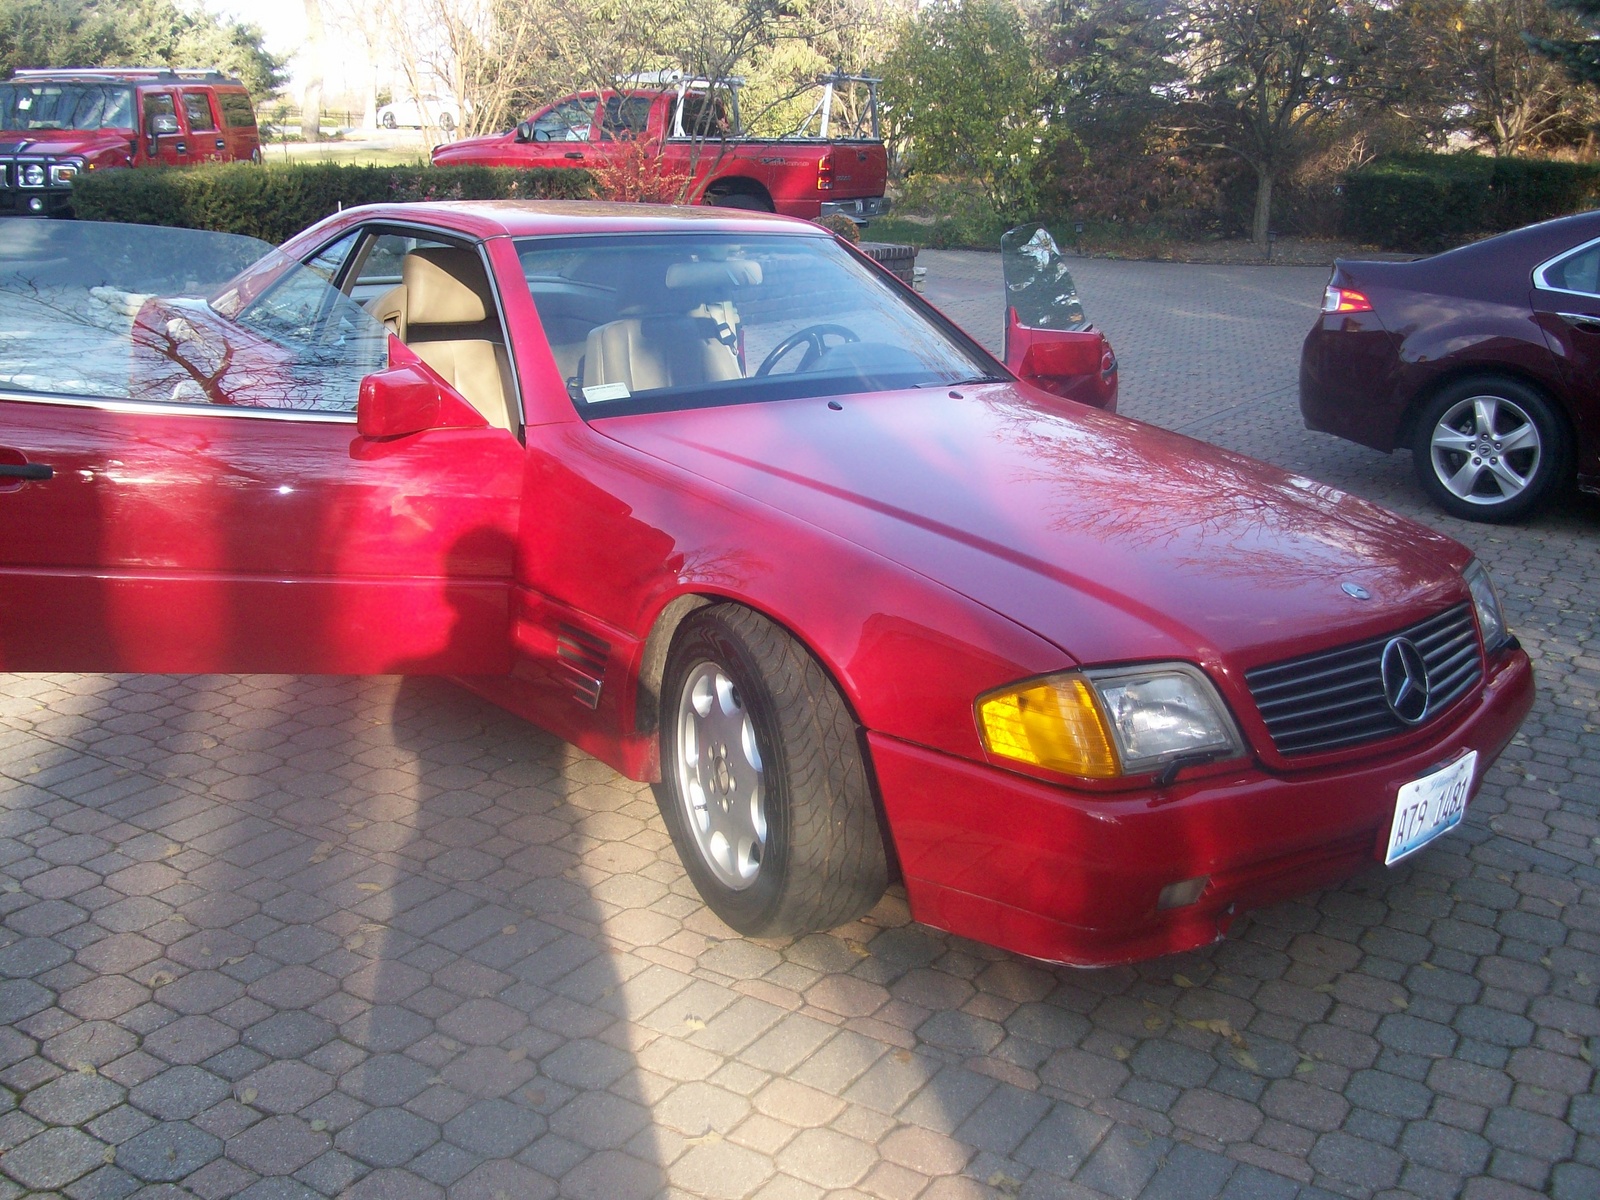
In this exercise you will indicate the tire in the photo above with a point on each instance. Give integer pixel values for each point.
(1489, 448)
(741, 200)
(388, 120)
(447, 123)
(806, 855)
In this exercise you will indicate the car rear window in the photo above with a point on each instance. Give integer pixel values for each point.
(646, 322)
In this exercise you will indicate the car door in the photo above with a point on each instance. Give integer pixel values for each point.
(219, 509)
(563, 134)
(207, 143)
(163, 148)
(1566, 303)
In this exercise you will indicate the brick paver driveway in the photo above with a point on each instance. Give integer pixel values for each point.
(298, 936)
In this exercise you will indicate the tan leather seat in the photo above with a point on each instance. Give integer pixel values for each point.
(643, 354)
(389, 310)
(448, 319)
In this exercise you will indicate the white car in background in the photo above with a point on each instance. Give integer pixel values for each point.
(440, 113)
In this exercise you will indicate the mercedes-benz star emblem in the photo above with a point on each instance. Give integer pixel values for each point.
(1405, 680)
(1355, 591)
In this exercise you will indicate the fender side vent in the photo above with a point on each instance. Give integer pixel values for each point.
(583, 663)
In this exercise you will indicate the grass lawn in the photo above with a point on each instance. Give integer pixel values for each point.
(369, 154)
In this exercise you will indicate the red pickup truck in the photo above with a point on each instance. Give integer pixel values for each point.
(57, 123)
(833, 162)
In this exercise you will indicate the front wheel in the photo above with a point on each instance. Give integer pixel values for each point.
(763, 785)
(389, 121)
(1489, 448)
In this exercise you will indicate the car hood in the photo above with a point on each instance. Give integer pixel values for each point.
(63, 141)
(1113, 539)
(465, 148)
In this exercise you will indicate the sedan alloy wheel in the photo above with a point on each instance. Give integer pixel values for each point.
(1488, 449)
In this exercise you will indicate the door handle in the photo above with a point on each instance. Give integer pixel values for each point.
(221, 145)
(573, 154)
(1588, 322)
(26, 471)
(181, 148)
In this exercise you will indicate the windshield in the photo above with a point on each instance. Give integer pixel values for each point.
(65, 106)
(178, 316)
(644, 323)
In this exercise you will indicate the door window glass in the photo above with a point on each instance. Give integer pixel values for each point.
(158, 104)
(198, 109)
(569, 121)
(178, 316)
(1578, 272)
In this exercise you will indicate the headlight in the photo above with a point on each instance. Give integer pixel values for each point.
(1101, 724)
(63, 173)
(31, 174)
(1491, 621)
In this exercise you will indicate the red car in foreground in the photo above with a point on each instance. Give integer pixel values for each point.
(1483, 361)
(714, 498)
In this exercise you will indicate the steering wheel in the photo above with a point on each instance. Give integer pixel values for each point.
(813, 336)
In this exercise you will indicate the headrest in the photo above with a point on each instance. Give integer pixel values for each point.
(709, 276)
(444, 286)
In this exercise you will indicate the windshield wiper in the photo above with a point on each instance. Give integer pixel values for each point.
(962, 382)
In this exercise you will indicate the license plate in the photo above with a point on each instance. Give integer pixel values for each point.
(1430, 806)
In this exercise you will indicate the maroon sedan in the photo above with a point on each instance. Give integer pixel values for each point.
(1484, 362)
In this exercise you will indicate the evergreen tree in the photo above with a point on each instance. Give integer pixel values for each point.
(1580, 57)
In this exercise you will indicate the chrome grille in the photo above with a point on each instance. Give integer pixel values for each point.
(1335, 698)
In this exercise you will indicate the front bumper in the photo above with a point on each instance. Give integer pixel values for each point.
(860, 210)
(34, 202)
(1074, 878)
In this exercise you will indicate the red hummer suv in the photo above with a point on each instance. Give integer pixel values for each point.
(57, 124)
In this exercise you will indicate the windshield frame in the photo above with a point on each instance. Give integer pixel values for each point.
(987, 367)
(9, 112)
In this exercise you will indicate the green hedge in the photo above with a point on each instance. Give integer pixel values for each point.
(1427, 202)
(275, 202)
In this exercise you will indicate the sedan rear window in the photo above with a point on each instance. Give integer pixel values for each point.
(686, 320)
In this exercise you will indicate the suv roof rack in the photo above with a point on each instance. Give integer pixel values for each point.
(176, 74)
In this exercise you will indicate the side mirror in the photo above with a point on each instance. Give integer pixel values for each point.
(524, 131)
(161, 124)
(1076, 364)
(410, 398)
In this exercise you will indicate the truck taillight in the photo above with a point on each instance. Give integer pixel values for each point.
(825, 173)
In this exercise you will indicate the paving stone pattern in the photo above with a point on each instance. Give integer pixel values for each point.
(295, 937)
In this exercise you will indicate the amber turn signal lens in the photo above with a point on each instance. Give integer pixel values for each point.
(1055, 723)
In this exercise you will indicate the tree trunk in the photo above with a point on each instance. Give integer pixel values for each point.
(311, 100)
(1263, 217)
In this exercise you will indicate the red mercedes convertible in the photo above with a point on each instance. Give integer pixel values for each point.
(716, 499)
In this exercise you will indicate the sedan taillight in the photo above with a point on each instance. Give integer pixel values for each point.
(1344, 300)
